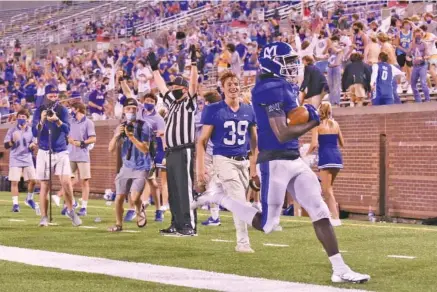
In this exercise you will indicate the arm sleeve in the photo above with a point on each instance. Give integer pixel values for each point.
(35, 121)
(207, 116)
(169, 99)
(145, 133)
(161, 124)
(65, 127)
(374, 74)
(8, 137)
(306, 79)
(396, 71)
(91, 129)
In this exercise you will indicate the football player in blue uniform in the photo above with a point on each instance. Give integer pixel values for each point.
(229, 124)
(279, 164)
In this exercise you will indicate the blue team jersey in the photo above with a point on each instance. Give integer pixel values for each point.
(230, 136)
(274, 94)
(384, 88)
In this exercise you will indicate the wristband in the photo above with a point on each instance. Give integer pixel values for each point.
(193, 63)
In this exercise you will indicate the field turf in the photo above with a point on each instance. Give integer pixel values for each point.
(366, 249)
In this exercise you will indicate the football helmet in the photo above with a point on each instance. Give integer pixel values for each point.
(280, 59)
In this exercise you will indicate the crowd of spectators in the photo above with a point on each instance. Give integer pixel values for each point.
(228, 37)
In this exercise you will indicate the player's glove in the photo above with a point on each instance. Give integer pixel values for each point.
(153, 61)
(313, 114)
(193, 55)
(254, 183)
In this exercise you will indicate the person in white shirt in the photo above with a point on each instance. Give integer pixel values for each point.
(148, 42)
(320, 52)
(143, 77)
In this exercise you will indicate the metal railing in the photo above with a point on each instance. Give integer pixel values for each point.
(174, 20)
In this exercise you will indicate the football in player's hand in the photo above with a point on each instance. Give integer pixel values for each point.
(254, 183)
(298, 116)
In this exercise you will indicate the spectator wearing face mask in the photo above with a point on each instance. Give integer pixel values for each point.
(96, 102)
(419, 54)
(149, 115)
(360, 39)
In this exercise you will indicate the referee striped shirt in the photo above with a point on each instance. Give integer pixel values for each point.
(179, 122)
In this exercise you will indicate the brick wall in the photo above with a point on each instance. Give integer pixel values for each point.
(410, 151)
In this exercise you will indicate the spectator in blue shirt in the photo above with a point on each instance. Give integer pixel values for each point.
(51, 126)
(134, 135)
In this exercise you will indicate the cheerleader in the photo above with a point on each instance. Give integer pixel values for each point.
(327, 137)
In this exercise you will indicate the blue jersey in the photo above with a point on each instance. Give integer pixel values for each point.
(273, 94)
(384, 88)
(359, 42)
(231, 129)
(404, 42)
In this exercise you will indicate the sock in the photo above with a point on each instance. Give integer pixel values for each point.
(84, 204)
(215, 212)
(29, 196)
(338, 265)
(15, 200)
(239, 208)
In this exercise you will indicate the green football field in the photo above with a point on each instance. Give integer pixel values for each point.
(366, 248)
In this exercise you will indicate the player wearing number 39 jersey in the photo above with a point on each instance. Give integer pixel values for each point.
(279, 165)
(230, 124)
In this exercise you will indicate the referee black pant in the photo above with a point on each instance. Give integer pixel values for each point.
(180, 172)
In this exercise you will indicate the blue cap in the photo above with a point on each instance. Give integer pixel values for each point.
(75, 94)
(51, 89)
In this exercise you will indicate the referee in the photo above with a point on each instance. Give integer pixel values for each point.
(181, 101)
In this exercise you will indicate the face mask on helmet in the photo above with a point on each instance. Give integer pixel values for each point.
(290, 66)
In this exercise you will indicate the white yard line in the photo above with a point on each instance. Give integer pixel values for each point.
(87, 227)
(401, 257)
(155, 273)
(275, 245)
(221, 240)
(16, 220)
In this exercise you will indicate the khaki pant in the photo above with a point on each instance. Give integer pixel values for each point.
(83, 169)
(233, 176)
(356, 93)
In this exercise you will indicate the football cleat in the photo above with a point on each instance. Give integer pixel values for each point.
(15, 208)
(211, 222)
(350, 277)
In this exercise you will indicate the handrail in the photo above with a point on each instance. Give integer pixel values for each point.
(71, 16)
(149, 26)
